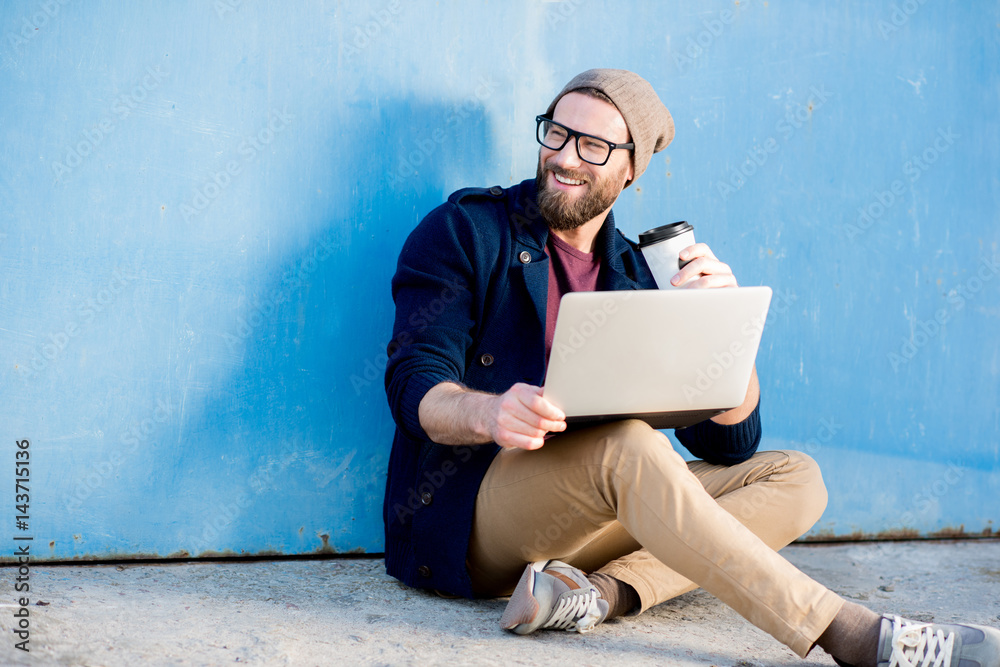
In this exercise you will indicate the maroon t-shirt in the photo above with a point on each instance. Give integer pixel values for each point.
(570, 270)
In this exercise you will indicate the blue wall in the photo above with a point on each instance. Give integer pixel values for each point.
(202, 204)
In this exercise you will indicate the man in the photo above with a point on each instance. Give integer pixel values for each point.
(485, 496)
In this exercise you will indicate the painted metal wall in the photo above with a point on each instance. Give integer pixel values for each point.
(202, 203)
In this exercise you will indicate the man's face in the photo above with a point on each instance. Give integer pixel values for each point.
(571, 191)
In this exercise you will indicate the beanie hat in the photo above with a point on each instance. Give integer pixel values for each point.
(647, 119)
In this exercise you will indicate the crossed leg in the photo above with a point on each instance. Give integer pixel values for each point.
(618, 499)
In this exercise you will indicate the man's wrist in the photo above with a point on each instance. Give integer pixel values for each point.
(738, 414)
(451, 414)
(480, 409)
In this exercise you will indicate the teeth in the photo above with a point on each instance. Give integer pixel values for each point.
(567, 181)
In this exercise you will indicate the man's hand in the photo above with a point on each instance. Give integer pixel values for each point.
(520, 418)
(703, 270)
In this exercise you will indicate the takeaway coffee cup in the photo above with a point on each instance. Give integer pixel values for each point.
(661, 245)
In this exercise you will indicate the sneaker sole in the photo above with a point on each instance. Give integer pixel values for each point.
(522, 610)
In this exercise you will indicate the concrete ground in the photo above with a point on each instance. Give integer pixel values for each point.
(347, 611)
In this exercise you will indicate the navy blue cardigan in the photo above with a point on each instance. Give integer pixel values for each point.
(470, 291)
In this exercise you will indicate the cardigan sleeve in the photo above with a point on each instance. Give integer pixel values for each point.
(725, 444)
(434, 290)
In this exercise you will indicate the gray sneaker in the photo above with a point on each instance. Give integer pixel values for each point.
(553, 595)
(911, 644)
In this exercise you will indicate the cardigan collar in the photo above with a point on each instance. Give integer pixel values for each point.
(532, 230)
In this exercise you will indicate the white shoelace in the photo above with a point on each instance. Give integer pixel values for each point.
(578, 611)
(919, 645)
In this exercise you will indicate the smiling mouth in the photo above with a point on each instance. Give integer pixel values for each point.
(565, 180)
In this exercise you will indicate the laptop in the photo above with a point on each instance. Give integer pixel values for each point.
(671, 357)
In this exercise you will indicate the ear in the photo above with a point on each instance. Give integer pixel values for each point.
(629, 174)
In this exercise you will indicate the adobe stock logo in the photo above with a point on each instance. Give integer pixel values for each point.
(559, 14)
(760, 153)
(722, 361)
(751, 332)
(223, 7)
(53, 348)
(913, 169)
(580, 334)
(427, 143)
(33, 23)
(261, 311)
(138, 434)
(432, 481)
(380, 20)
(249, 149)
(122, 107)
(930, 494)
(703, 41)
(419, 320)
(899, 17)
(923, 331)
(560, 524)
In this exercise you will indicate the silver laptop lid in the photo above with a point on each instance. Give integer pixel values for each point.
(671, 357)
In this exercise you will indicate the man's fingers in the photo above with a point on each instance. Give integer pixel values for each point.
(695, 251)
(524, 417)
(546, 416)
(712, 281)
(541, 406)
(691, 270)
(522, 442)
(535, 410)
(694, 274)
(515, 439)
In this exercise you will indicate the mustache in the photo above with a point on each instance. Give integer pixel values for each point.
(567, 173)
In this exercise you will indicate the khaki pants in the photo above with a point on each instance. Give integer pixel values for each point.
(618, 499)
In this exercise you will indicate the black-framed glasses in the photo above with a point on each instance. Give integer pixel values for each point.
(591, 149)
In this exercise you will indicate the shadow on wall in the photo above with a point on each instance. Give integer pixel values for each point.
(304, 422)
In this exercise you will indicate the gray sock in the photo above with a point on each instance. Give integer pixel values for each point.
(852, 638)
(621, 597)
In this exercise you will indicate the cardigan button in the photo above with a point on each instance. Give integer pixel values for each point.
(486, 359)
(525, 257)
(496, 191)
(426, 498)
(424, 571)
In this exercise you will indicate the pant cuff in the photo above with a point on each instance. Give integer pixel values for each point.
(647, 598)
(816, 623)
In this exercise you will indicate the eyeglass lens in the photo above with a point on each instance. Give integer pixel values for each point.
(590, 149)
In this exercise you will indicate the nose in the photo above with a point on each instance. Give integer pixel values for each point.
(567, 157)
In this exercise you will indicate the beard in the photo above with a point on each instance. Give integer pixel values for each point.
(565, 213)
